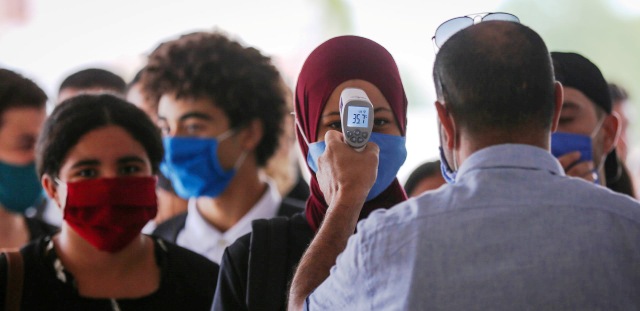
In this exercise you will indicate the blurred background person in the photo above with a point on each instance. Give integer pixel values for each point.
(91, 80)
(169, 203)
(22, 113)
(284, 166)
(588, 130)
(427, 176)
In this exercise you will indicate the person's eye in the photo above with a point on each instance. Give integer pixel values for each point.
(194, 128)
(129, 169)
(87, 173)
(27, 143)
(335, 126)
(565, 120)
(164, 128)
(380, 122)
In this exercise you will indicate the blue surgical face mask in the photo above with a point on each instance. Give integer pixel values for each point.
(448, 174)
(563, 143)
(20, 187)
(193, 166)
(393, 153)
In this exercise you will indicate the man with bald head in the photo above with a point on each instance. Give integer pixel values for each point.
(510, 231)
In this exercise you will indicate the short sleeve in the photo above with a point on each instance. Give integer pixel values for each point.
(348, 285)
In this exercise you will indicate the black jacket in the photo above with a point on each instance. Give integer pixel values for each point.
(256, 270)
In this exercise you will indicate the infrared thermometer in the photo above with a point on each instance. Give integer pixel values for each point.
(356, 115)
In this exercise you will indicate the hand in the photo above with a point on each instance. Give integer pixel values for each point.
(574, 168)
(345, 172)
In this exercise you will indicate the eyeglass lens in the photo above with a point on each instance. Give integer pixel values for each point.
(450, 27)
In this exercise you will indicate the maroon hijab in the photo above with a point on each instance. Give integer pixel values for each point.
(333, 62)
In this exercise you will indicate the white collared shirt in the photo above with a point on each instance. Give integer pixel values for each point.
(201, 237)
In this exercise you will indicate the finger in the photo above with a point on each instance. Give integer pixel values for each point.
(582, 170)
(568, 159)
(332, 136)
(372, 147)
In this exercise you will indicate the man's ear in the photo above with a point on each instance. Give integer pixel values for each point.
(252, 135)
(49, 186)
(611, 127)
(447, 124)
(557, 105)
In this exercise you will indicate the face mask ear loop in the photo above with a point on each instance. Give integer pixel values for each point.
(61, 184)
(597, 128)
(240, 160)
(455, 145)
(225, 135)
(299, 127)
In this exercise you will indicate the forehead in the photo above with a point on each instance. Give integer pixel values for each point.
(22, 118)
(574, 99)
(110, 142)
(375, 95)
(171, 107)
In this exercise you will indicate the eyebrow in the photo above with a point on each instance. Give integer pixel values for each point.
(188, 115)
(93, 162)
(88, 162)
(570, 105)
(336, 113)
(128, 159)
(196, 115)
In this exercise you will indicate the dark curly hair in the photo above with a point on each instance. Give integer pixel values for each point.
(239, 80)
(81, 114)
(17, 91)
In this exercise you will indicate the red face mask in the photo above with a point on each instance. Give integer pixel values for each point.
(110, 212)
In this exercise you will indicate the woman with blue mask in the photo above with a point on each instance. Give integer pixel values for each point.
(275, 246)
(22, 112)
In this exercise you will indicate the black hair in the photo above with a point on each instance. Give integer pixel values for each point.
(79, 115)
(237, 79)
(93, 78)
(425, 170)
(496, 77)
(17, 91)
(135, 80)
(617, 93)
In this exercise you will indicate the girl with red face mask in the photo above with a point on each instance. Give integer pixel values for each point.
(97, 156)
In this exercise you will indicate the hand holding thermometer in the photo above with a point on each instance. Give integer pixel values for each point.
(356, 115)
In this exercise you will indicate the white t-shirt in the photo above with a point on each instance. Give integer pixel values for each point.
(203, 238)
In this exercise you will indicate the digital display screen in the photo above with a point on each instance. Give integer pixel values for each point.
(357, 116)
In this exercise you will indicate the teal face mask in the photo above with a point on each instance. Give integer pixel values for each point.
(20, 187)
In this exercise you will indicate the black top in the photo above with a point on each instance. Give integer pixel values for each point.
(38, 228)
(259, 288)
(187, 282)
(300, 190)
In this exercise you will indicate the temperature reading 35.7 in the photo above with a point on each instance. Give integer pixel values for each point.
(356, 114)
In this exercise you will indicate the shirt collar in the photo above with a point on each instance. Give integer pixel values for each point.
(512, 155)
(203, 238)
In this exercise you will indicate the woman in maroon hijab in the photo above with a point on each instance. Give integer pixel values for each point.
(256, 269)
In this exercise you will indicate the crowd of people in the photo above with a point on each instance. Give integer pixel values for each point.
(184, 189)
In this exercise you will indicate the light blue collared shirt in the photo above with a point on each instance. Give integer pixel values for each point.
(513, 233)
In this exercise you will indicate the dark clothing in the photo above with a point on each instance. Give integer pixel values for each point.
(618, 177)
(187, 282)
(255, 271)
(169, 229)
(300, 190)
(38, 228)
